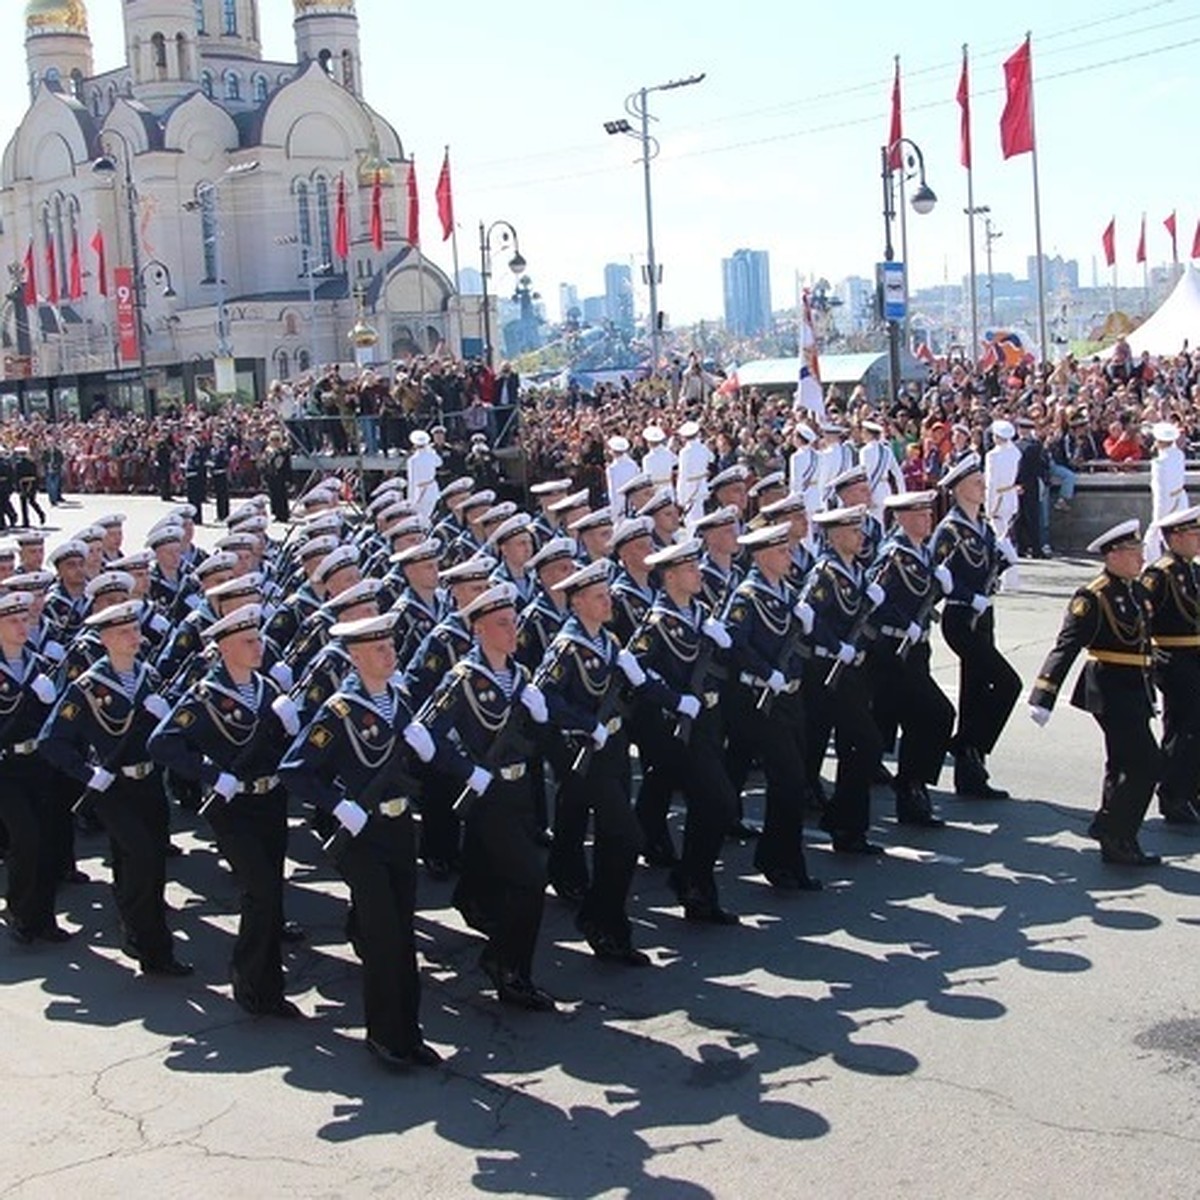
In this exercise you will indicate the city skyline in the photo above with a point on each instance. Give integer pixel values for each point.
(793, 167)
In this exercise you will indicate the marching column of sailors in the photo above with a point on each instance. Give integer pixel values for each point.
(491, 669)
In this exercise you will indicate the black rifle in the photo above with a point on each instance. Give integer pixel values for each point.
(112, 763)
(244, 758)
(923, 614)
(794, 647)
(386, 775)
(860, 631)
(509, 741)
(701, 671)
(612, 704)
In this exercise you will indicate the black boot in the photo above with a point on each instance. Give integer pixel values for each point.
(914, 807)
(971, 777)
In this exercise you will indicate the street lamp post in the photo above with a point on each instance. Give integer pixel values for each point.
(211, 188)
(990, 235)
(516, 264)
(106, 166)
(637, 106)
(923, 200)
(973, 211)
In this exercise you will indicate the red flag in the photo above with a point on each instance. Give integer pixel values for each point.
(1196, 242)
(895, 129)
(414, 206)
(1016, 121)
(1110, 243)
(30, 293)
(1141, 246)
(75, 273)
(1171, 229)
(377, 212)
(341, 231)
(445, 198)
(964, 124)
(101, 260)
(52, 271)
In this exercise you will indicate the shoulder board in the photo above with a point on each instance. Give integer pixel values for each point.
(339, 706)
(1098, 584)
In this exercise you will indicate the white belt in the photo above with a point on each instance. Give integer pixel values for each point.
(392, 808)
(23, 748)
(512, 772)
(613, 725)
(793, 685)
(137, 770)
(260, 787)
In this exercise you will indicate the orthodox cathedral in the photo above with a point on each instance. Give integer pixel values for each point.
(202, 219)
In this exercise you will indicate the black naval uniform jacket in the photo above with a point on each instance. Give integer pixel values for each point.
(759, 620)
(968, 550)
(717, 585)
(537, 626)
(1108, 619)
(667, 646)
(325, 675)
(441, 648)
(286, 620)
(837, 595)
(92, 718)
(22, 714)
(1171, 590)
(212, 729)
(417, 621)
(905, 572)
(631, 604)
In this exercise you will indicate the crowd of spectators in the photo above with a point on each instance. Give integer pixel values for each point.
(1087, 416)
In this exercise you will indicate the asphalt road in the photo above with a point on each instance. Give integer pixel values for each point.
(988, 1011)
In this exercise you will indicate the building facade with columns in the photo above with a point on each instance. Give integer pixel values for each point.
(210, 181)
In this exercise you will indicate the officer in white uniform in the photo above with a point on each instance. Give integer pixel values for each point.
(423, 463)
(621, 469)
(1168, 492)
(694, 460)
(884, 476)
(1002, 494)
(659, 460)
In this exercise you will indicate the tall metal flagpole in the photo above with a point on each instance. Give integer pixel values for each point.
(1037, 221)
(454, 253)
(422, 343)
(971, 230)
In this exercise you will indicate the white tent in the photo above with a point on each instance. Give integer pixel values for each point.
(1175, 321)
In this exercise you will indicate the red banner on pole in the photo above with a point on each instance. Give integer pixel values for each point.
(127, 330)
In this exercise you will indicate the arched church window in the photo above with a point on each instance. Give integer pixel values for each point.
(281, 364)
(233, 86)
(348, 71)
(158, 48)
(77, 84)
(200, 26)
(260, 89)
(325, 58)
(181, 56)
(324, 225)
(229, 17)
(206, 83)
(303, 227)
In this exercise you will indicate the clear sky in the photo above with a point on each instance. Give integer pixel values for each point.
(778, 148)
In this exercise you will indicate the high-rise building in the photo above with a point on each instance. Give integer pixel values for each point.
(568, 299)
(595, 310)
(747, 278)
(618, 295)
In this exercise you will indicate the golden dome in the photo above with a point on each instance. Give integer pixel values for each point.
(55, 16)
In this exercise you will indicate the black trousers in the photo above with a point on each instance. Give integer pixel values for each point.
(441, 830)
(660, 775)
(906, 698)
(380, 867)
(698, 769)
(601, 794)
(32, 859)
(777, 741)
(194, 490)
(1131, 766)
(134, 814)
(28, 498)
(987, 686)
(251, 834)
(1178, 678)
(844, 710)
(220, 484)
(277, 490)
(503, 883)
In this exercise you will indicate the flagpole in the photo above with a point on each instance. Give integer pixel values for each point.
(1145, 271)
(454, 254)
(1037, 220)
(971, 228)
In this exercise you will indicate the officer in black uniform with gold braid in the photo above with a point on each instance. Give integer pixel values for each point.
(904, 694)
(582, 673)
(674, 642)
(842, 598)
(1108, 619)
(97, 734)
(988, 687)
(1172, 590)
(228, 733)
(32, 820)
(363, 729)
(762, 619)
(477, 718)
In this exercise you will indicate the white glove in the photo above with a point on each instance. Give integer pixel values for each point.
(1007, 551)
(776, 682)
(420, 740)
(350, 817)
(875, 594)
(227, 786)
(1038, 715)
(101, 780)
(159, 623)
(535, 703)
(629, 664)
(282, 674)
(287, 712)
(156, 706)
(688, 706)
(43, 689)
(716, 632)
(479, 780)
(599, 736)
(945, 579)
(980, 603)
(54, 651)
(913, 632)
(846, 653)
(803, 612)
